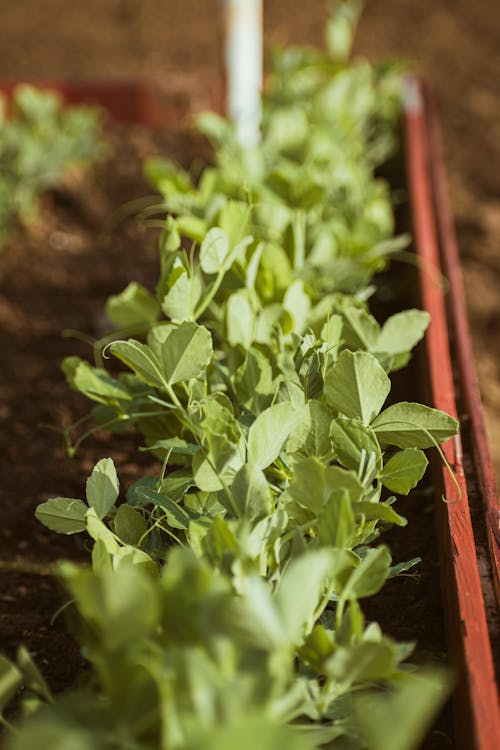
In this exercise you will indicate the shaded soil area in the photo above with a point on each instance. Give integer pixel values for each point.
(58, 275)
(455, 43)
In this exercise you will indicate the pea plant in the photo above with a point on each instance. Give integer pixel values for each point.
(222, 607)
(38, 144)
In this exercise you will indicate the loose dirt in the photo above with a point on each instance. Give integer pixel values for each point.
(57, 275)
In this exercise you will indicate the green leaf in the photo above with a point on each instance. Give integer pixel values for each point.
(378, 512)
(209, 480)
(251, 492)
(402, 331)
(360, 329)
(174, 445)
(364, 662)
(311, 436)
(425, 692)
(314, 483)
(129, 525)
(336, 525)
(409, 425)
(341, 27)
(32, 677)
(404, 470)
(254, 382)
(214, 250)
(10, 681)
(186, 352)
(269, 432)
(193, 227)
(233, 220)
(65, 515)
(100, 532)
(103, 487)
(298, 304)
(134, 306)
(140, 359)
(357, 385)
(240, 319)
(93, 382)
(370, 575)
(351, 440)
(182, 297)
(299, 591)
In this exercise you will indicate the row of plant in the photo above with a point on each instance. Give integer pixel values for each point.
(39, 143)
(222, 608)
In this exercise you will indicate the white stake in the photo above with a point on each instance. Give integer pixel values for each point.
(244, 67)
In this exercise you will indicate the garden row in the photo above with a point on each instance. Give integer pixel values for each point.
(223, 605)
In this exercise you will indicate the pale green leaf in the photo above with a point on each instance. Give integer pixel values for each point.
(298, 304)
(269, 432)
(100, 532)
(93, 382)
(183, 296)
(336, 522)
(134, 306)
(299, 591)
(251, 492)
(103, 487)
(370, 575)
(402, 331)
(351, 440)
(140, 359)
(425, 692)
(240, 319)
(409, 425)
(186, 352)
(404, 470)
(357, 385)
(311, 436)
(65, 515)
(214, 250)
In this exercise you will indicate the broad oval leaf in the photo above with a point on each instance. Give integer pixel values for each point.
(311, 436)
(186, 352)
(103, 487)
(404, 470)
(401, 332)
(251, 492)
(299, 590)
(351, 439)
(370, 575)
(269, 432)
(214, 250)
(140, 359)
(66, 515)
(357, 385)
(182, 297)
(134, 306)
(409, 425)
(240, 319)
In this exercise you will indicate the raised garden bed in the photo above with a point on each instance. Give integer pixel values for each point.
(477, 700)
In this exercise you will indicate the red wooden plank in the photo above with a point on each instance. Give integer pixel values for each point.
(478, 715)
(164, 102)
(464, 351)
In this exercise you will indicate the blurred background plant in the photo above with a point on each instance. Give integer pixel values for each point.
(39, 144)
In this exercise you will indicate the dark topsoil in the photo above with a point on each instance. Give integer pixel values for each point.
(58, 274)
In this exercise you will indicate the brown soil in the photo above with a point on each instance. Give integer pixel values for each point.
(454, 43)
(58, 275)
